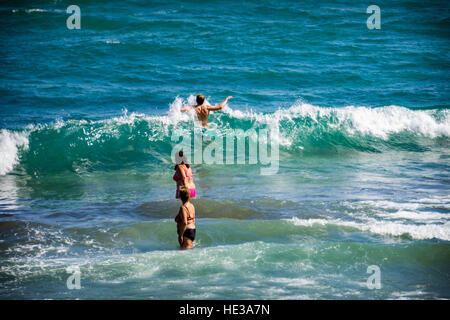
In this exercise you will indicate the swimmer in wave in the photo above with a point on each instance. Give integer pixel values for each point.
(202, 110)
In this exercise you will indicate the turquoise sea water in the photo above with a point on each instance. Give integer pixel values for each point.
(362, 118)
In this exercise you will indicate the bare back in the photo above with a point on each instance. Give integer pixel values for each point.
(190, 211)
(202, 112)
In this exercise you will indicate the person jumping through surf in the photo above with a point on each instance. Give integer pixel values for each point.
(202, 110)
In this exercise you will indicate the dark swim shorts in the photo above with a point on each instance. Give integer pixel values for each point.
(190, 234)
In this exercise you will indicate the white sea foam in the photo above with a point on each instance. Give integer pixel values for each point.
(38, 10)
(416, 231)
(175, 115)
(35, 10)
(416, 216)
(415, 210)
(294, 282)
(407, 295)
(10, 142)
(379, 122)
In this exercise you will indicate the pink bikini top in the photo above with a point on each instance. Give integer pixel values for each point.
(176, 177)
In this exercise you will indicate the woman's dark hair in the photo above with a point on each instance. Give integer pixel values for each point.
(181, 154)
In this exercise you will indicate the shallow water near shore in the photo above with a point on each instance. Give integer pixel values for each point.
(363, 129)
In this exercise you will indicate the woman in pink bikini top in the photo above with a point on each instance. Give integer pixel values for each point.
(183, 176)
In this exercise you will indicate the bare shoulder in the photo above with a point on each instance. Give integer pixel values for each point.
(183, 209)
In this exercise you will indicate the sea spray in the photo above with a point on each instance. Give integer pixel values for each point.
(10, 143)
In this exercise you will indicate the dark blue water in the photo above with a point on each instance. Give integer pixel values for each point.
(87, 125)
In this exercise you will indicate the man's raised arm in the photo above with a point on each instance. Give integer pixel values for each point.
(186, 109)
(220, 106)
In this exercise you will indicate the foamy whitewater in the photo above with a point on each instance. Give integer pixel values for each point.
(360, 119)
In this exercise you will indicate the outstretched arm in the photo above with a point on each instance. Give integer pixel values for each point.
(220, 106)
(186, 109)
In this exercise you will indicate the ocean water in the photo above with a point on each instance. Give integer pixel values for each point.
(362, 120)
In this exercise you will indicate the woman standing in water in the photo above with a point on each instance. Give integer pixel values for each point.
(183, 176)
(185, 220)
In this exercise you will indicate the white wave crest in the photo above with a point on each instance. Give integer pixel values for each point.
(379, 122)
(9, 148)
